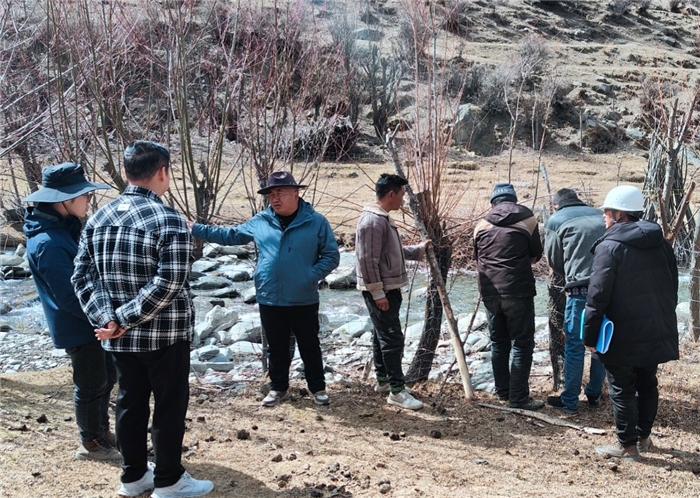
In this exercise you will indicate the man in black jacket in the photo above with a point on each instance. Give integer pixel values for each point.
(506, 243)
(634, 282)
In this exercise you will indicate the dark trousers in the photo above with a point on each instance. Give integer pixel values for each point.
(387, 339)
(512, 328)
(634, 393)
(279, 323)
(94, 377)
(164, 373)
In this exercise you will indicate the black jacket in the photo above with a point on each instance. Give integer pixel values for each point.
(634, 282)
(505, 242)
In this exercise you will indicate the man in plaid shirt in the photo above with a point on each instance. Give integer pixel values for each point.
(131, 276)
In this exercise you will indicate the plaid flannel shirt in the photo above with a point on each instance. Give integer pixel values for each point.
(132, 267)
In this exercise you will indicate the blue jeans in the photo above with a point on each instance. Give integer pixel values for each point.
(574, 352)
(512, 327)
(634, 394)
(94, 376)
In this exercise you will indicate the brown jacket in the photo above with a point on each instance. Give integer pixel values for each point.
(381, 264)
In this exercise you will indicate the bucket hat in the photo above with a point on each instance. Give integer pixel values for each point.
(279, 179)
(63, 182)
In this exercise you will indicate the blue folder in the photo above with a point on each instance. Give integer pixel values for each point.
(604, 336)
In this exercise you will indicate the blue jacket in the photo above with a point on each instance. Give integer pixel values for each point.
(52, 243)
(290, 262)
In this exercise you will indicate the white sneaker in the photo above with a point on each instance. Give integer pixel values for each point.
(322, 398)
(137, 488)
(275, 398)
(186, 487)
(404, 399)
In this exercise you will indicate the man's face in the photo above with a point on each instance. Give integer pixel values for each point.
(397, 198)
(609, 217)
(284, 200)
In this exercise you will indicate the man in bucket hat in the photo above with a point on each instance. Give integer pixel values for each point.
(296, 249)
(52, 225)
(506, 243)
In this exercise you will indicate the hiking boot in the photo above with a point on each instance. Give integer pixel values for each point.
(97, 449)
(556, 402)
(382, 387)
(627, 453)
(322, 398)
(137, 488)
(404, 399)
(594, 401)
(275, 397)
(531, 404)
(111, 438)
(186, 487)
(644, 445)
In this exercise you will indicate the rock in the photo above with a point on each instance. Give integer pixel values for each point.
(218, 318)
(224, 292)
(483, 344)
(683, 312)
(464, 319)
(605, 88)
(342, 278)
(244, 347)
(236, 273)
(205, 353)
(5, 308)
(210, 283)
(635, 133)
(203, 366)
(469, 125)
(250, 331)
(384, 488)
(211, 250)
(249, 295)
(10, 260)
(241, 252)
(435, 434)
(242, 434)
(204, 265)
(413, 332)
(354, 329)
(20, 251)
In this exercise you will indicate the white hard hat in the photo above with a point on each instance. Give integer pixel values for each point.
(624, 198)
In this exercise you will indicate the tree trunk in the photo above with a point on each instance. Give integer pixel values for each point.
(556, 307)
(694, 318)
(423, 360)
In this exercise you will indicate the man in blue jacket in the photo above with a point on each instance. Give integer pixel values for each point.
(569, 236)
(296, 249)
(52, 226)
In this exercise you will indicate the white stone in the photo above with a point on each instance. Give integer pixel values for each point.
(354, 329)
(218, 318)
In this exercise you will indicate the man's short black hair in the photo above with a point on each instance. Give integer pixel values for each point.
(143, 159)
(388, 183)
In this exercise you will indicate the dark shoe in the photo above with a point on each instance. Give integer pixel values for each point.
(532, 405)
(322, 398)
(594, 401)
(555, 402)
(110, 437)
(628, 453)
(97, 449)
(644, 445)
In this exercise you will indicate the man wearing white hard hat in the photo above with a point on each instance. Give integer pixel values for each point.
(634, 283)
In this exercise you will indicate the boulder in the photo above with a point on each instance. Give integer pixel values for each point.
(250, 331)
(230, 291)
(11, 260)
(205, 353)
(469, 124)
(413, 332)
(342, 278)
(204, 265)
(249, 296)
(218, 318)
(211, 250)
(241, 252)
(236, 273)
(354, 329)
(210, 283)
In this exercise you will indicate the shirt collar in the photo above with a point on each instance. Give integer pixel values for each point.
(142, 191)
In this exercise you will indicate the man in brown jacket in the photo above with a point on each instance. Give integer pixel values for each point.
(506, 243)
(381, 273)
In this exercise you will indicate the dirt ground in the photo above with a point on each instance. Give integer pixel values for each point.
(362, 447)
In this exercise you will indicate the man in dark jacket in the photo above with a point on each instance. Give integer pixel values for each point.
(569, 236)
(52, 226)
(634, 282)
(506, 244)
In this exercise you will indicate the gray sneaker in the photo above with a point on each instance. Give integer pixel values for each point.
(137, 488)
(404, 399)
(322, 398)
(186, 487)
(275, 398)
(382, 387)
(644, 445)
(616, 450)
(97, 449)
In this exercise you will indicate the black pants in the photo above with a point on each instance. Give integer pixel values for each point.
(94, 376)
(512, 327)
(634, 394)
(279, 323)
(165, 373)
(387, 339)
